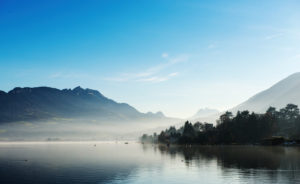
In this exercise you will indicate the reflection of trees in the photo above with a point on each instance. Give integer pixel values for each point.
(249, 160)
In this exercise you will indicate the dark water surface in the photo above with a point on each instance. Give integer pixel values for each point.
(136, 163)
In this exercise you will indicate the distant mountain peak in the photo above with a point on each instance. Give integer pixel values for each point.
(204, 112)
(79, 91)
(157, 114)
(94, 92)
(78, 88)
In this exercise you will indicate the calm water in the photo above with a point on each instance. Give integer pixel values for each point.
(137, 163)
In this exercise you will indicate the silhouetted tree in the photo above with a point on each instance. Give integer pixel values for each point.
(244, 128)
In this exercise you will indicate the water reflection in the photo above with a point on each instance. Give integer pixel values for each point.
(64, 163)
(136, 163)
(276, 163)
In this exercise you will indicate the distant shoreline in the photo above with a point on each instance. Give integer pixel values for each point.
(62, 142)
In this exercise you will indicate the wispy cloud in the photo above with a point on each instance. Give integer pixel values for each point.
(158, 78)
(272, 36)
(153, 79)
(212, 46)
(276, 32)
(165, 55)
(153, 74)
(173, 74)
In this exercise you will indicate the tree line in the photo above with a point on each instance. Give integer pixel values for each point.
(243, 128)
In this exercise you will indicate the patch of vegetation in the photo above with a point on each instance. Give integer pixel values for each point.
(244, 128)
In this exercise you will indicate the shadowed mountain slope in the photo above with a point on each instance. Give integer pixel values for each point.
(43, 103)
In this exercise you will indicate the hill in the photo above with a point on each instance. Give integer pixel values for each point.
(44, 103)
(279, 95)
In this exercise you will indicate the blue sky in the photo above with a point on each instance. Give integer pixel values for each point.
(168, 55)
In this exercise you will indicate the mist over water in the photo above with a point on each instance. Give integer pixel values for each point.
(149, 92)
(116, 162)
(79, 130)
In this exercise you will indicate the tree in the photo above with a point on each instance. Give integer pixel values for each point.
(291, 112)
(271, 111)
(198, 127)
(226, 116)
(188, 130)
(244, 128)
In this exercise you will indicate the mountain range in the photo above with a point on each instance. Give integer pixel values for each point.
(45, 103)
(48, 112)
(44, 113)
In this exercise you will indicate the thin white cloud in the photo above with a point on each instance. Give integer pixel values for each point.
(178, 59)
(212, 46)
(165, 55)
(152, 74)
(152, 79)
(272, 36)
(158, 78)
(173, 74)
(55, 75)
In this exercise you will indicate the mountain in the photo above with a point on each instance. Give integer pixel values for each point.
(201, 113)
(279, 95)
(45, 103)
(157, 114)
(45, 113)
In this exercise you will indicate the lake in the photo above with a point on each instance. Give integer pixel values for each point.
(112, 162)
